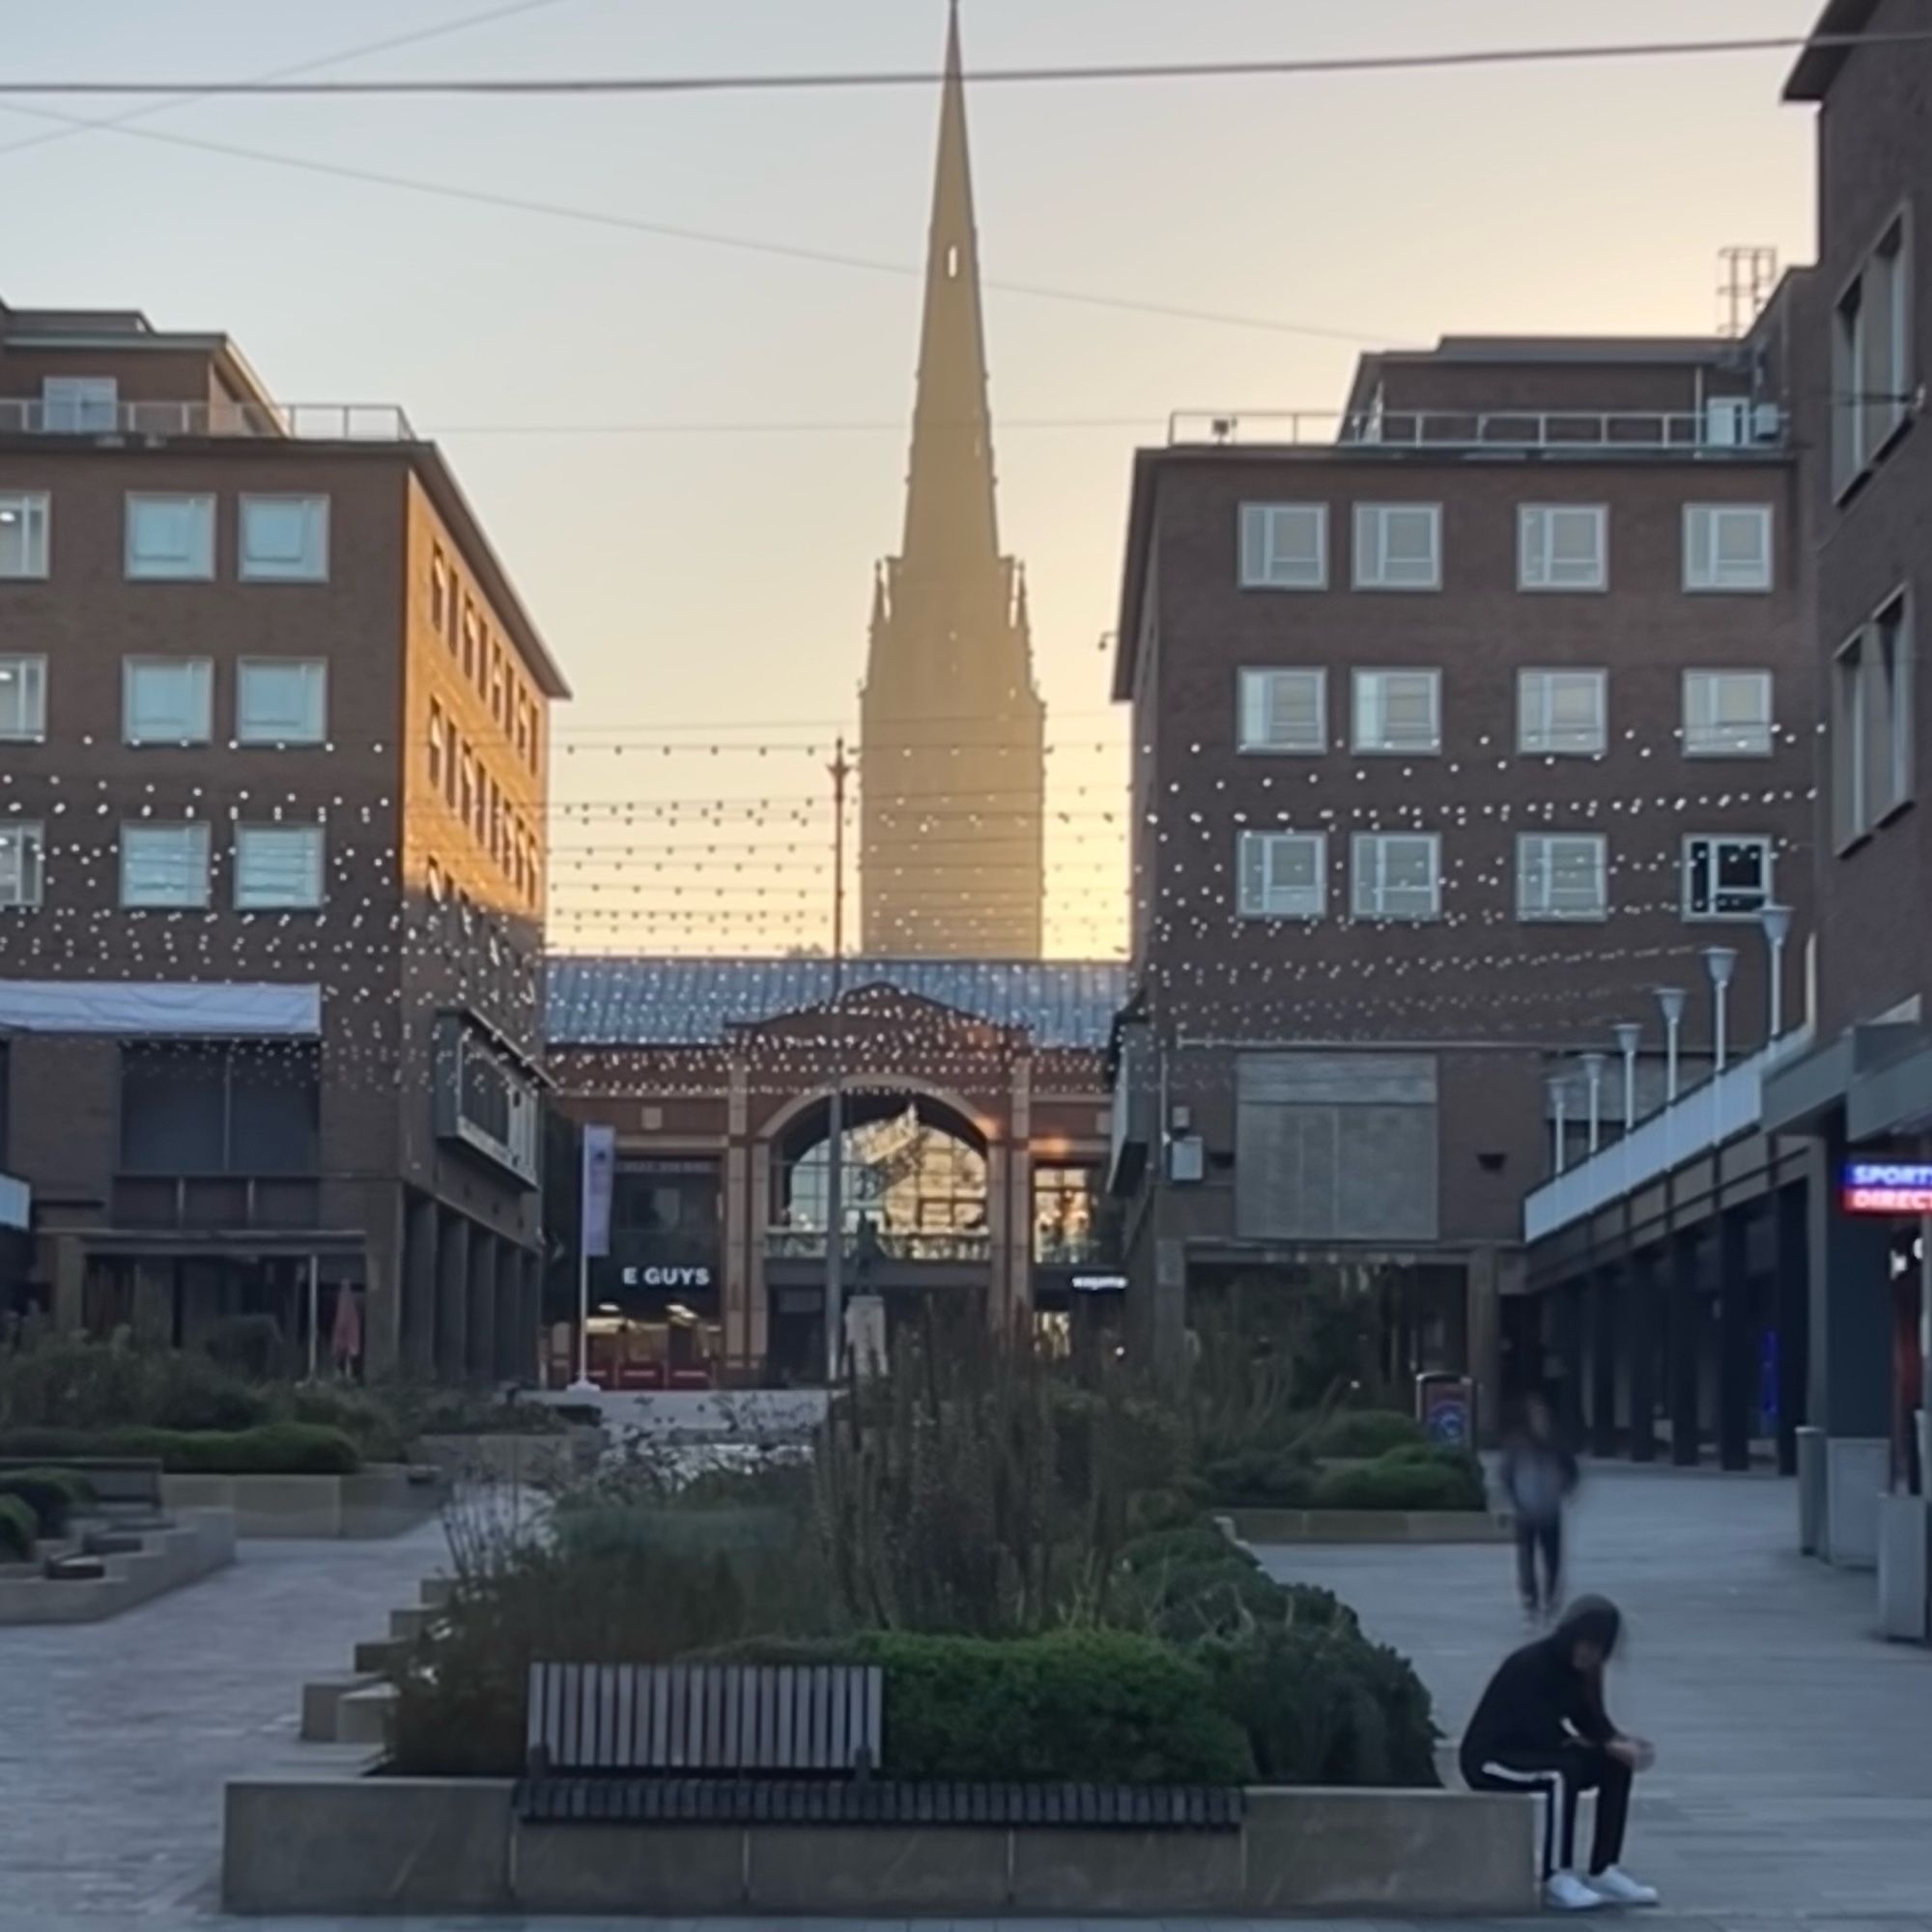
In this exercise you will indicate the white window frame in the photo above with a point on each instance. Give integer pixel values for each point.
(1761, 841)
(1372, 569)
(1539, 567)
(1706, 739)
(1713, 577)
(1368, 868)
(191, 837)
(1536, 866)
(310, 562)
(253, 844)
(1256, 688)
(23, 864)
(199, 713)
(1367, 680)
(194, 563)
(27, 678)
(312, 729)
(34, 511)
(1268, 563)
(1264, 849)
(80, 405)
(1536, 727)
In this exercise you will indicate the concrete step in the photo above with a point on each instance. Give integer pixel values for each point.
(407, 1626)
(322, 1707)
(378, 1656)
(363, 1716)
(438, 1592)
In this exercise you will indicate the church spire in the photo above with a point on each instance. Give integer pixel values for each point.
(950, 515)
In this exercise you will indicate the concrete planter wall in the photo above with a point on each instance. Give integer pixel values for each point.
(1279, 1526)
(1858, 1469)
(381, 1500)
(432, 1846)
(196, 1545)
(1905, 1568)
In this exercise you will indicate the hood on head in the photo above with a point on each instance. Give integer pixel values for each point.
(1588, 1620)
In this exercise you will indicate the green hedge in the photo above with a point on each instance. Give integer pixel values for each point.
(1261, 1479)
(53, 1494)
(1401, 1481)
(276, 1449)
(19, 1529)
(1363, 1434)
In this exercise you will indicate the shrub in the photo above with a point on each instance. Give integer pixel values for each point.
(1363, 1434)
(1397, 1484)
(1083, 1706)
(248, 1345)
(188, 1391)
(276, 1449)
(1199, 1542)
(53, 1494)
(70, 1381)
(1261, 1479)
(1325, 1706)
(363, 1417)
(18, 1527)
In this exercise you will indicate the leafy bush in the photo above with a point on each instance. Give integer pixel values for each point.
(53, 1494)
(276, 1449)
(187, 1391)
(1364, 1433)
(1261, 1479)
(70, 1381)
(248, 1345)
(1198, 1542)
(362, 1415)
(1325, 1706)
(1087, 1706)
(1397, 1483)
(18, 1527)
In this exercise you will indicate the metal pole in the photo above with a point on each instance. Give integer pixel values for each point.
(1593, 1071)
(835, 1139)
(1559, 1124)
(314, 1314)
(583, 1381)
(1629, 1037)
(1670, 999)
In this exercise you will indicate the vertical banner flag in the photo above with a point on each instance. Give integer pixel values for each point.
(600, 1171)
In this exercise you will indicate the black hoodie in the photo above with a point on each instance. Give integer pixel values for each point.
(1539, 1701)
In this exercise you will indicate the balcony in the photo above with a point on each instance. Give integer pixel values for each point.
(207, 1204)
(1731, 427)
(161, 422)
(1710, 1114)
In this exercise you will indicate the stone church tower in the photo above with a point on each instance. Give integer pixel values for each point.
(952, 761)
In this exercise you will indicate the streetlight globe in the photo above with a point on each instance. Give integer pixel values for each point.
(1629, 1037)
(1777, 923)
(1720, 962)
(1672, 999)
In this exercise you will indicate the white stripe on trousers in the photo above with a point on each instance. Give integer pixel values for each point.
(1551, 1783)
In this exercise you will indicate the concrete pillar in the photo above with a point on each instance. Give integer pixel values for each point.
(1736, 1366)
(1645, 1331)
(1850, 1335)
(1569, 1313)
(758, 1290)
(1686, 1305)
(419, 1230)
(530, 1315)
(1792, 1320)
(479, 1352)
(1605, 1291)
(1482, 1319)
(999, 1221)
(735, 1299)
(68, 1269)
(452, 1298)
(510, 1349)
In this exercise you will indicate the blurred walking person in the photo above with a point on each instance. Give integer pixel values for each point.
(1539, 1477)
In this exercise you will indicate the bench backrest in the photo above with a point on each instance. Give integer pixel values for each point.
(706, 1718)
(115, 1479)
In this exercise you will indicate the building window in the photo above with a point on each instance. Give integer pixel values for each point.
(1562, 875)
(435, 746)
(1398, 545)
(1562, 713)
(1284, 711)
(164, 865)
(466, 794)
(281, 701)
(1399, 711)
(80, 405)
(522, 737)
(1871, 358)
(167, 700)
(24, 534)
(1284, 874)
(1727, 546)
(23, 700)
(500, 689)
(277, 867)
(438, 593)
(191, 1107)
(285, 539)
(469, 646)
(1726, 876)
(1285, 546)
(1563, 547)
(1727, 714)
(1398, 875)
(22, 862)
(1872, 740)
(171, 536)
(1066, 1216)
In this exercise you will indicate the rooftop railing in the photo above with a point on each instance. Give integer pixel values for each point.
(1730, 426)
(308, 422)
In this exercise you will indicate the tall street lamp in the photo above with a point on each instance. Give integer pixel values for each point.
(1593, 1075)
(1628, 1034)
(1671, 999)
(1720, 962)
(1777, 921)
(1559, 1119)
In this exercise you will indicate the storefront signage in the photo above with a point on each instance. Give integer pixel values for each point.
(1885, 1187)
(667, 1277)
(1099, 1284)
(600, 1171)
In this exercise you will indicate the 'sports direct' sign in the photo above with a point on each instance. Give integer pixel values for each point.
(1885, 1187)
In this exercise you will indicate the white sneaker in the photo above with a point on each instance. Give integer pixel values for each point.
(1618, 1888)
(1568, 1893)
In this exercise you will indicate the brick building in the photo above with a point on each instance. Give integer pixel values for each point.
(975, 1149)
(272, 780)
(1462, 724)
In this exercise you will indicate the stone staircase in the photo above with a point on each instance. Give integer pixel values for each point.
(353, 1708)
(114, 1566)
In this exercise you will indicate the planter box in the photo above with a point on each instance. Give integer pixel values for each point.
(1279, 1526)
(197, 1543)
(1904, 1558)
(442, 1846)
(383, 1499)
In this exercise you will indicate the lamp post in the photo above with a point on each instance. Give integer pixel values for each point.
(1777, 920)
(1559, 1121)
(1593, 1075)
(1670, 999)
(1720, 962)
(1628, 1034)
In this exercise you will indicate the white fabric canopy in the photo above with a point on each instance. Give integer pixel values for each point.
(128, 1007)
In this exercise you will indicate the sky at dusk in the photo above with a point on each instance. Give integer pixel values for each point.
(690, 454)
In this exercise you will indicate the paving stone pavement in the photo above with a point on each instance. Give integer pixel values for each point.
(1795, 1793)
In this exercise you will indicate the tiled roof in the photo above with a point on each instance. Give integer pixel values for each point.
(598, 1001)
